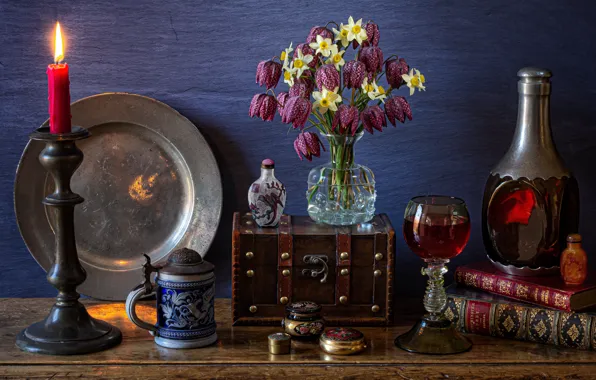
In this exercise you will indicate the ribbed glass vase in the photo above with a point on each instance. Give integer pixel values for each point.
(341, 192)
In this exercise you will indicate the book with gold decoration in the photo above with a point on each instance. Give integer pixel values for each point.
(486, 314)
(549, 291)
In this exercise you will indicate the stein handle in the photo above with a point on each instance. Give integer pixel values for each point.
(144, 289)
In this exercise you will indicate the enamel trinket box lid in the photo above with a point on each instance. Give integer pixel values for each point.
(342, 341)
(184, 289)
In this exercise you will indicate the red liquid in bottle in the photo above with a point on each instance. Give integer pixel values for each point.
(437, 236)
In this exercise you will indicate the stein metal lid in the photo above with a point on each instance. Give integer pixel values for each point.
(303, 307)
(186, 261)
(342, 341)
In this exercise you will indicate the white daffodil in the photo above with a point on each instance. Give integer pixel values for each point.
(301, 62)
(326, 99)
(374, 91)
(355, 30)
(341, 35)
(415, 80)
(336, 57)
(285, 55)
(289, 73)
(322, 45)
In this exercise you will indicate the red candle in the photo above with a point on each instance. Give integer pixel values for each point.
(58, 89)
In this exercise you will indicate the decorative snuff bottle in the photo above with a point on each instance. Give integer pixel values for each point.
(574, 261)
(267, 196)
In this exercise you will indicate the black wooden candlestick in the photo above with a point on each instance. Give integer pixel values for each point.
(68, 329)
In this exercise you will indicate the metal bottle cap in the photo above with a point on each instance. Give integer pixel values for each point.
(186, 261)
(267, 164)
(534, 81)
(574, 238)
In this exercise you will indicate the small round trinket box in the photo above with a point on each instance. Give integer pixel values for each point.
(303, 320)
(279, 343)
(342, 341)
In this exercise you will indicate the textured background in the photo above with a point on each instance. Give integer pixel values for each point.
(200, 56)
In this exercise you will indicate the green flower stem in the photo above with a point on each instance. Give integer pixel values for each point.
(342, 160)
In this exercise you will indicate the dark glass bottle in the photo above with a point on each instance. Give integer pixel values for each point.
(531, 200)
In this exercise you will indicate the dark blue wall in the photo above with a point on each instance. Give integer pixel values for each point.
(200, 56)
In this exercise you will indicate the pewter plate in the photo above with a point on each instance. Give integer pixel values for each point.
(150, 183)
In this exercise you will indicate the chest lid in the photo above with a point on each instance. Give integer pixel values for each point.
(186, 261)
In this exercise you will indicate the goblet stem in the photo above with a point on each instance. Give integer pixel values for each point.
(435, 297)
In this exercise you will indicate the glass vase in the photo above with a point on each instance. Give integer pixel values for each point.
(341, 192)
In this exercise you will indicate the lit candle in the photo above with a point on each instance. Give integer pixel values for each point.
(58, 89)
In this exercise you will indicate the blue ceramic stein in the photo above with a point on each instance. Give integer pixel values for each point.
(185, 292)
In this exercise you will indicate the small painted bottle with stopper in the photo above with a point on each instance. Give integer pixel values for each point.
(574, 261)
(267, 196)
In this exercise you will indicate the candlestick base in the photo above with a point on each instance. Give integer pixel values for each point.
(68, 330)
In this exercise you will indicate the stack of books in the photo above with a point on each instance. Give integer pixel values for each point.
(536, 309)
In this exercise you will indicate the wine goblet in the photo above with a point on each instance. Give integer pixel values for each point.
(436, 228)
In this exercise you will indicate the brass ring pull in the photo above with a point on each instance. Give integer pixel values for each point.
(316, 259)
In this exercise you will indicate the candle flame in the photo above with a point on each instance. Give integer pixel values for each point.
(58, 48)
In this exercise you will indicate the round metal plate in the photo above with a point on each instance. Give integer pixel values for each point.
(150, 183)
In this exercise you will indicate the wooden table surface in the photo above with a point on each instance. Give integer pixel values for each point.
(242, 352)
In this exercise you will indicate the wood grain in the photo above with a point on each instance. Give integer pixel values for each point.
(242, 352)
(343, 372)
(199, 57)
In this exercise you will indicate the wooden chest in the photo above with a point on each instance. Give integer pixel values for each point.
(347, 270)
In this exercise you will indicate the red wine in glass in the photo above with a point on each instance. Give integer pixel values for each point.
(437, 236)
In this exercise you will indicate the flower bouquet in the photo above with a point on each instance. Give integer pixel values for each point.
(340, 192)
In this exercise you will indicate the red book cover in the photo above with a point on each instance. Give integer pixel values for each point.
(549, 291)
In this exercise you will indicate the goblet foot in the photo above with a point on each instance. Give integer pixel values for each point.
(433, 336)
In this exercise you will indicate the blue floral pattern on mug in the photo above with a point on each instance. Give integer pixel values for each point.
(187, 309)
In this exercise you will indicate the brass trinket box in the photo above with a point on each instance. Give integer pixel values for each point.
(279, 343)
(342, 341)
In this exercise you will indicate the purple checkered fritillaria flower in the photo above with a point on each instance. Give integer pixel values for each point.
(296, 110)
(268, 73)
(327, 76)
(263, 106)
(318, 31)
(346, 118)
(354, 73)
(397, 108)
(394, 69)
(372, 35)
(373, 117)
(372, 57)
(308, 144)
(302, 87)
(282, 98)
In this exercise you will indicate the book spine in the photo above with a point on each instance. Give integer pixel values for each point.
(515, 289)
(526, 323)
